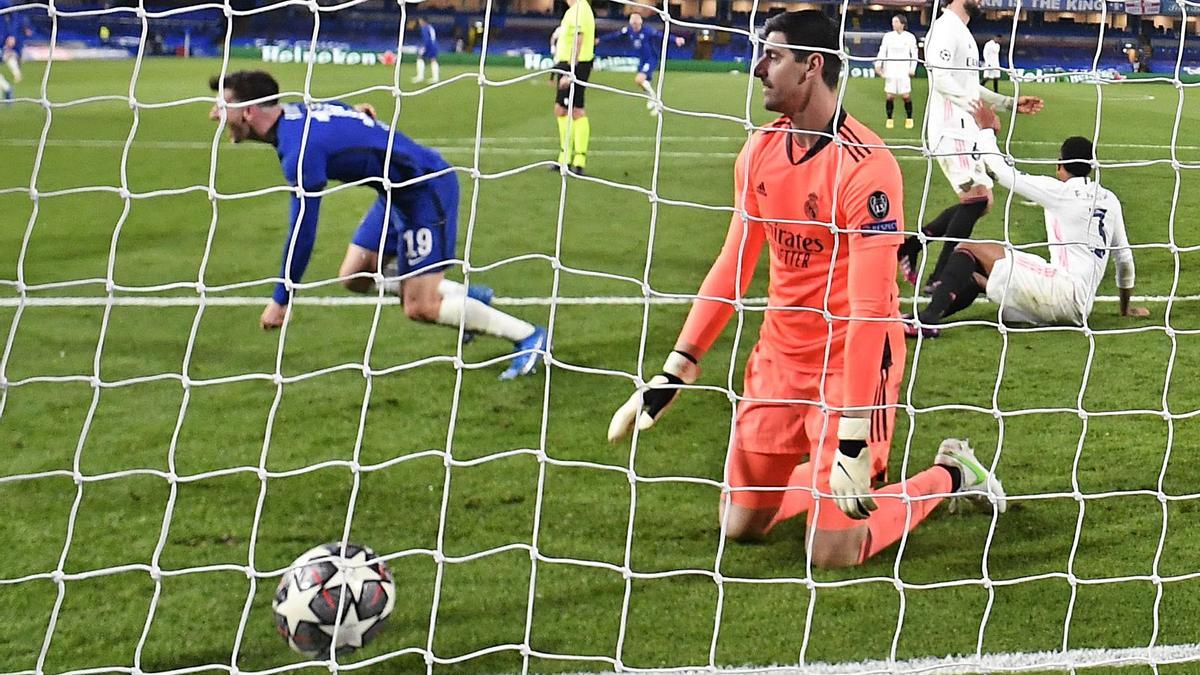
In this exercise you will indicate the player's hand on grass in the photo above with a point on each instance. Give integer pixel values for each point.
(272, 316)
(1029, 105)
(1136, 312)
(850, 478)
(645, 407)
(985, 117)
(367, 109)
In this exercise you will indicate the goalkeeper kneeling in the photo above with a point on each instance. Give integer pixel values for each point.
(814, 426)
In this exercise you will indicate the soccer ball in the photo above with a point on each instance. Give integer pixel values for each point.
(310, 593)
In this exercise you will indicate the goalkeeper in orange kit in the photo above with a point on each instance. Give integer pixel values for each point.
(816, 418)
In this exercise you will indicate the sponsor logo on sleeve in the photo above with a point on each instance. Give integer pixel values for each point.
(879, 227)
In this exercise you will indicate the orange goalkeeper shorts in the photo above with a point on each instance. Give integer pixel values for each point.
(772, 438)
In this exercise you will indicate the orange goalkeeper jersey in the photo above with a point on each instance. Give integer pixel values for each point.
(831, 214)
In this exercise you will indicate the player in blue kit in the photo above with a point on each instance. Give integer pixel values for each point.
(647, 46)
(427, 52)
(320, 142)
(14, 28)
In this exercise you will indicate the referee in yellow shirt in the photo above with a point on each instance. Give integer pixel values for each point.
(573, 53)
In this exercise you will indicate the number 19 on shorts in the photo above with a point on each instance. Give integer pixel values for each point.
(418, 243)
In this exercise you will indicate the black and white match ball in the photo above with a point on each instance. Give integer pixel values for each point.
(320, 584)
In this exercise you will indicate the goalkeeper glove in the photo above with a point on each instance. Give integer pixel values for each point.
(645, 407)
(850, 479)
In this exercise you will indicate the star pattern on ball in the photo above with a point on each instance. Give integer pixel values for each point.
(350, 632)
(354, 573)
(295, 606)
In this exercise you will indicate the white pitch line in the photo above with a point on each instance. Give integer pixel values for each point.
(1007, 662)
(513, 140)
(358, 300)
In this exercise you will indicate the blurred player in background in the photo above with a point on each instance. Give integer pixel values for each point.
(820, 394)
(991, 63)
(952, 59)
(573, 52)
(427, 52)
(420, 218)
(1084, 224)
(647, 45)
(14, 29)
(896, 64)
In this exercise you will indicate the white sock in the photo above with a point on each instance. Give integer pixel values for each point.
(436, 71)
(5, 87)
(649, 88)
(480, 318)
(420, 69)
(452, 289)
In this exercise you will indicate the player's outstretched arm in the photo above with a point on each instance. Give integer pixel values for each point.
(728, 279)
(1044, 190)
(704, 324)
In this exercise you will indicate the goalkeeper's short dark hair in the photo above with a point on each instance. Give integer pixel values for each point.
(1076, 156)
(807, 31)
(248, 85)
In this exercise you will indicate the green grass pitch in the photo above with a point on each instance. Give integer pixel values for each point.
(1065, 570)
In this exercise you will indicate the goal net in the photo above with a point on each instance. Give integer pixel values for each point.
(167, 460)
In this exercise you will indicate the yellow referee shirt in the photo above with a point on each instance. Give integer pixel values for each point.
(578, 20)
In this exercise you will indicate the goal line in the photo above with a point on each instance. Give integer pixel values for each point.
(1002, 662)
(339, 300)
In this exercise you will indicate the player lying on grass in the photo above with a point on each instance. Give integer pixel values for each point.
(1084, 224)
(647, 45)
(320, 142)
(815, 169)
(952, 59)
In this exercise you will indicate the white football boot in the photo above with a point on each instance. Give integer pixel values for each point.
(979, 484)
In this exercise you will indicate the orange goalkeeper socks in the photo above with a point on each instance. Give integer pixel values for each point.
(891, 520)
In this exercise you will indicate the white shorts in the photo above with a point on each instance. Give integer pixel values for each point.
(961, 164)
(1031, 290)
(991, 74)
(900, 85)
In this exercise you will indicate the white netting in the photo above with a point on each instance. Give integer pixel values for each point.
(202, 295)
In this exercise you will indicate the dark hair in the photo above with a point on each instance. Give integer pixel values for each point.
(806, 29)
(248, 85)
(1076, 156)
(903, 19)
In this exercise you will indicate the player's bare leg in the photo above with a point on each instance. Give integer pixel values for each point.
(425, 300)
(746, 524)
(357, 261)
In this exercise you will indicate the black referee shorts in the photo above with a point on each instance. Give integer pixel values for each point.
(583, 71)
